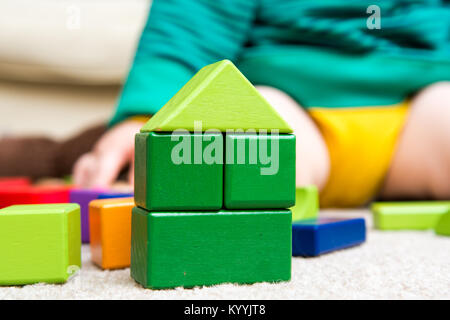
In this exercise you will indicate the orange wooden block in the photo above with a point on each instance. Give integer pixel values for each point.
(110, 232)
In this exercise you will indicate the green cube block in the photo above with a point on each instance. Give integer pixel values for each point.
(183, 171)
(306, 203)
(39, 243)
(259, 171)
(190, 249)
(411, 215)
(443, 225)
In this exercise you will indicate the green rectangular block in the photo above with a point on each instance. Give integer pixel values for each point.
(259, 171)
(39, 243)
(190, 249)
(179, 173)
(443, 225)
(410, 215)
(306, 203)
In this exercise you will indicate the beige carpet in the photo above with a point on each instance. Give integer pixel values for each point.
(390, 265)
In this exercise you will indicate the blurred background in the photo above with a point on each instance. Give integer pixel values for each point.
(58, 56)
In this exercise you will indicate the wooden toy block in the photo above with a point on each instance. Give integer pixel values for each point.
(115, 194)
(83, 197)
(306, 203)
(317, 236)
(166, 181)
(39, 243)
(14, 182)
(110, 230)
(253, 182)
(32, 195)
(222, 98)
(408, 215)
(190, 249)
(443, 226)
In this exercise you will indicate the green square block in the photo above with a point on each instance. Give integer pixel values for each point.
(306, 203)
(39, 243)
(190, 249)
(443, 226)
(259, 171)
(179, 175)
(408, 215)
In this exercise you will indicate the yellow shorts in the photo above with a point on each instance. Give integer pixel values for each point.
(361, 143)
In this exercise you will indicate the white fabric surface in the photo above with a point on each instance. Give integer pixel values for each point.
(72, 41)
(390, 265)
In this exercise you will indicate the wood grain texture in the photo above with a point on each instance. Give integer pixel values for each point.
(222, 98)
(110, 232)
(245, 187)
(39, 243)
(12, 195)
(313, 237)
(408, 215)
(443, 226)
(205, 248)
(160, 184)
(306, 203)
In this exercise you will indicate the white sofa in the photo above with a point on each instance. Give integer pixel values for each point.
(62, 62)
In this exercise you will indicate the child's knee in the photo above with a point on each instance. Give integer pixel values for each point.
(434, 100)
(312, 163)
(421, 165)
(431, 110)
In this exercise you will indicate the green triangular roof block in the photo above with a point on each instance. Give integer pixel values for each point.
(221, 98)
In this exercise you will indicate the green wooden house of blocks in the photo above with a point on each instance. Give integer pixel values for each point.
(217, 124)
(214, 178)
(39, 243)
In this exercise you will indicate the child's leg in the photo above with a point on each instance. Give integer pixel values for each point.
(421, 164)
(27, 156)
(312, 162)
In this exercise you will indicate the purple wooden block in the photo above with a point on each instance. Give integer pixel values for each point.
(83, 197)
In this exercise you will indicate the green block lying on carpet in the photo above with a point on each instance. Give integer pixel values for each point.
(306, 203)
(39, 243)
(443, 226)
(190, 249)
(259, 171)
(413, 215)
(176, 172)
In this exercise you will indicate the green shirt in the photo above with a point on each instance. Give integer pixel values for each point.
(320, 52)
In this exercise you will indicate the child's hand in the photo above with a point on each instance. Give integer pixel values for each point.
(115, 149)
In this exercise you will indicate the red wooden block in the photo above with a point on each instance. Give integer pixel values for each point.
(14, 182)
(32, 195)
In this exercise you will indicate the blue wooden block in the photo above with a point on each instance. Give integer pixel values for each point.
(313, 237)
(112, 194)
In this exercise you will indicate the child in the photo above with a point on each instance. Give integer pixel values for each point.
(370, 107)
